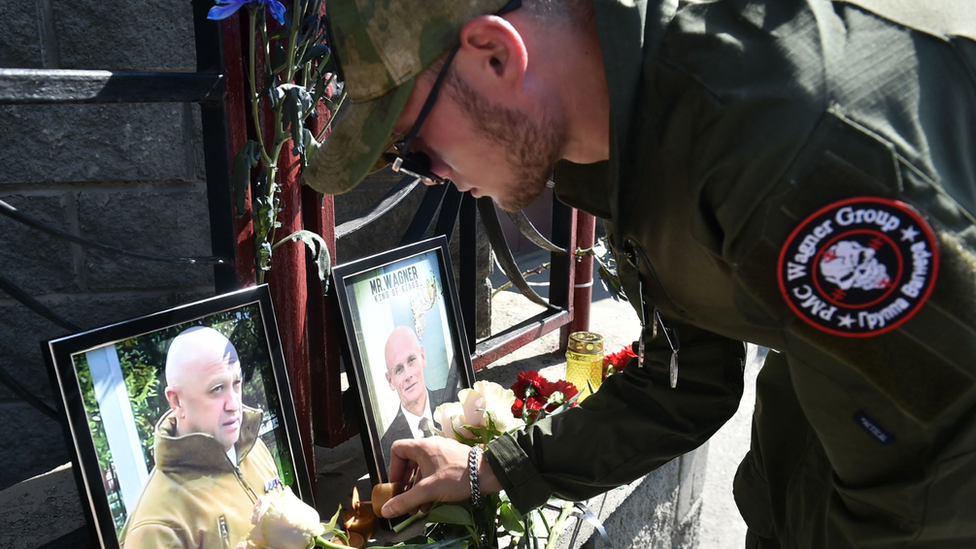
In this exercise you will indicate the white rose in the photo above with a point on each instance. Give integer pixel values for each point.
(474, 407)
(452, 420)
(497, 402)
(282, 521)
(473, 403)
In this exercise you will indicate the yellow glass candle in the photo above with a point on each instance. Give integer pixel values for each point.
(584, 362)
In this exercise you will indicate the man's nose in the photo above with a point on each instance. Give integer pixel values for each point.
(439, 167)
(233, 402)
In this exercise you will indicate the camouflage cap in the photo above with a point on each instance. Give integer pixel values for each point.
(382, 45)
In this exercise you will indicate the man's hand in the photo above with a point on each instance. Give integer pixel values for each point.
(442, 474)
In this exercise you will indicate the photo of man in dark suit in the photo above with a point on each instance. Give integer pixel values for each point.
(405, 364)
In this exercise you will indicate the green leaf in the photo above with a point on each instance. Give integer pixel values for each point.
(278, 58)
(279, 34)
(296, 101)
(311, 21)
(318, 85)
(263, 252)
(315, 52)
(315, 244)
(478, 432)
(510, 518)
(267, 87)
(263, 213)
(246, 159)
(335, 518)
(568, 404)
(451, 514)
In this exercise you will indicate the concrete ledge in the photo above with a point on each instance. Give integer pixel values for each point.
(40, 509)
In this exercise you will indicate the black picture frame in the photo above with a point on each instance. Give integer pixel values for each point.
(412, 286)
(107, 436)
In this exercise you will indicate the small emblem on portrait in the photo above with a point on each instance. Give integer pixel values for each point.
(859, 267)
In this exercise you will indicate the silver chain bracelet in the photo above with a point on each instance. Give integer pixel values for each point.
(473, 457)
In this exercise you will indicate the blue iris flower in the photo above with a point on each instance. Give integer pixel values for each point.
(226, 8)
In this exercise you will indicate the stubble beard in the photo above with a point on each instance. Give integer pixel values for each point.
(532, 147)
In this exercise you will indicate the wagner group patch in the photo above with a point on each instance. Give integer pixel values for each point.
(859, 267)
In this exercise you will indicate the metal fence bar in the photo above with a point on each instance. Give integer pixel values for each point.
(217, 146)
(57, 86)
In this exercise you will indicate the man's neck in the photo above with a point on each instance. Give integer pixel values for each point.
(419, 408)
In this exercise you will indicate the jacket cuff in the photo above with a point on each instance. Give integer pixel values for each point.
(516, 474)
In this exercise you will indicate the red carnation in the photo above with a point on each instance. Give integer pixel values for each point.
(566, 388)
(616, 362)
(534, 395)
(529, 384)
(533, 409)
(518, 407)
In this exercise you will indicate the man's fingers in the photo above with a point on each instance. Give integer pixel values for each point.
(401, 465)
(441, 466)
(418, 498)
(401, 505)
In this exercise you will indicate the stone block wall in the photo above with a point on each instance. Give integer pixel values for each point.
(130, 176)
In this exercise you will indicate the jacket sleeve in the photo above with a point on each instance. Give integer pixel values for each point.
(635, 423)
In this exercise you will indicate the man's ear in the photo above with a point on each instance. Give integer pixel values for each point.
(389, 381)
(173, 398)
(493, 57)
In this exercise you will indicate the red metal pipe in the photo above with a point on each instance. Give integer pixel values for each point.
(287, 282)
(583, 283)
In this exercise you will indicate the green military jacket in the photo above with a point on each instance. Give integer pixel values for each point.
(801, 175)
(195, 497)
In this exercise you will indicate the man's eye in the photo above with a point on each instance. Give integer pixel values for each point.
(217, 389)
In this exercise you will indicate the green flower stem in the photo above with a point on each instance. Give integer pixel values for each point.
(318, 95)
(328, 125)
(296, 20)
(322, 542)
(266, 160)
(557, 527)
(405, 524)
(277, 86)
(281, 137)
(252, 80)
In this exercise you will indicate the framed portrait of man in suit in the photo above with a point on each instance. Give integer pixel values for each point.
(179, 421)
(405, 342)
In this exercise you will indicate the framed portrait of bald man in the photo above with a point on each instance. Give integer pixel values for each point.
(179, 421)
(405, 342)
